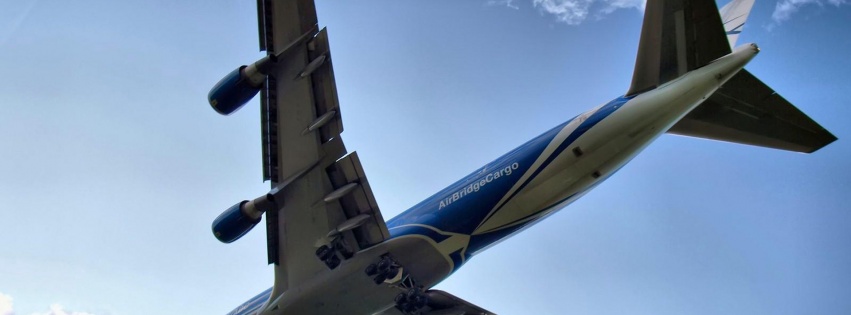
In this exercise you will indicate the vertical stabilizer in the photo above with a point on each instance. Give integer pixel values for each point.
(734, 15)
(677, 36)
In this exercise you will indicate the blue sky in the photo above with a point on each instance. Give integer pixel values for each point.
(113, 165)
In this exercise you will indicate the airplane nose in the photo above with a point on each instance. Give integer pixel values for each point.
(755, 48)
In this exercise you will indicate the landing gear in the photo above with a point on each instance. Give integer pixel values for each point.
(323, 252)
(328, 253)
(385, 269)
(332, 262)
(412, 301)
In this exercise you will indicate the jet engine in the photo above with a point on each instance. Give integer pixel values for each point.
(239, 86)
(240, 218)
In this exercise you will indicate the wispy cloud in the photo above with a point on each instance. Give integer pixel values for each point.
(6, 308)
(6, 305)
(57, 309)
(507, 3)
(784, 9)
(11, 25)
(574, 12)
(612, 5)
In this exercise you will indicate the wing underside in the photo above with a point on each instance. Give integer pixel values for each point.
(747, 111)
(322, 191)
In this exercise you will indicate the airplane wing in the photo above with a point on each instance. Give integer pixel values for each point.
(443, 303)
(321, 191)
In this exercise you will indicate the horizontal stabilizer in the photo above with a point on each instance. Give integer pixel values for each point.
(747, 111)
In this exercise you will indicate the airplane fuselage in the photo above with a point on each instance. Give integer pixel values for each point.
(438, 235)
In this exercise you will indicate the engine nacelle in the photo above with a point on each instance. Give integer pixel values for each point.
(234, 223)
(239, 86)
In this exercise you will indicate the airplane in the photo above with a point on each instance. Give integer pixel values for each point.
(333, 252)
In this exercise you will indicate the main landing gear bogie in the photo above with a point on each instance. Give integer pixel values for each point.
(412, 299)
(328, 253)
(385, 268)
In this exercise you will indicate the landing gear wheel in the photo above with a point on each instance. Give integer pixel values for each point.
(411, 301)
(419, 301)
(391, 272)
(401, 298)
(371, 270)
(379, 278)
(341, 247)
(324, 252)
(332, 262)
(384, 263)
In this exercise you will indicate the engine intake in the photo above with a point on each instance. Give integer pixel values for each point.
(240, 218)
(239, 86)
(233, 223)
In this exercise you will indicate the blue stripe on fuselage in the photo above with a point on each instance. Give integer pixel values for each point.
(586, 125)
(463, 215)
(252, 304)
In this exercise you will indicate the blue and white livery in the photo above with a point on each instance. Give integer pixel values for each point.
(333, 252)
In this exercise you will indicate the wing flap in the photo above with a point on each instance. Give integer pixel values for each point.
(747, 111)
(360, 201)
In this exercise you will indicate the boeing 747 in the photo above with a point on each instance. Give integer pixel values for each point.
(333, 252)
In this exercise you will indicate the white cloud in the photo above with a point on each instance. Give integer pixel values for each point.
(785, 8)
(6, 305)
(507, 3)
(55, 309)
(612, 5)
(571, 12)
(574, 12)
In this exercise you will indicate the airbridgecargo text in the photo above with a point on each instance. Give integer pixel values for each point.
(475, 186)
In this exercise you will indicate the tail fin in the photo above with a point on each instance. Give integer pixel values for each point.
(734, 15)
(677, 36)
(744, 110)
(682, 35)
